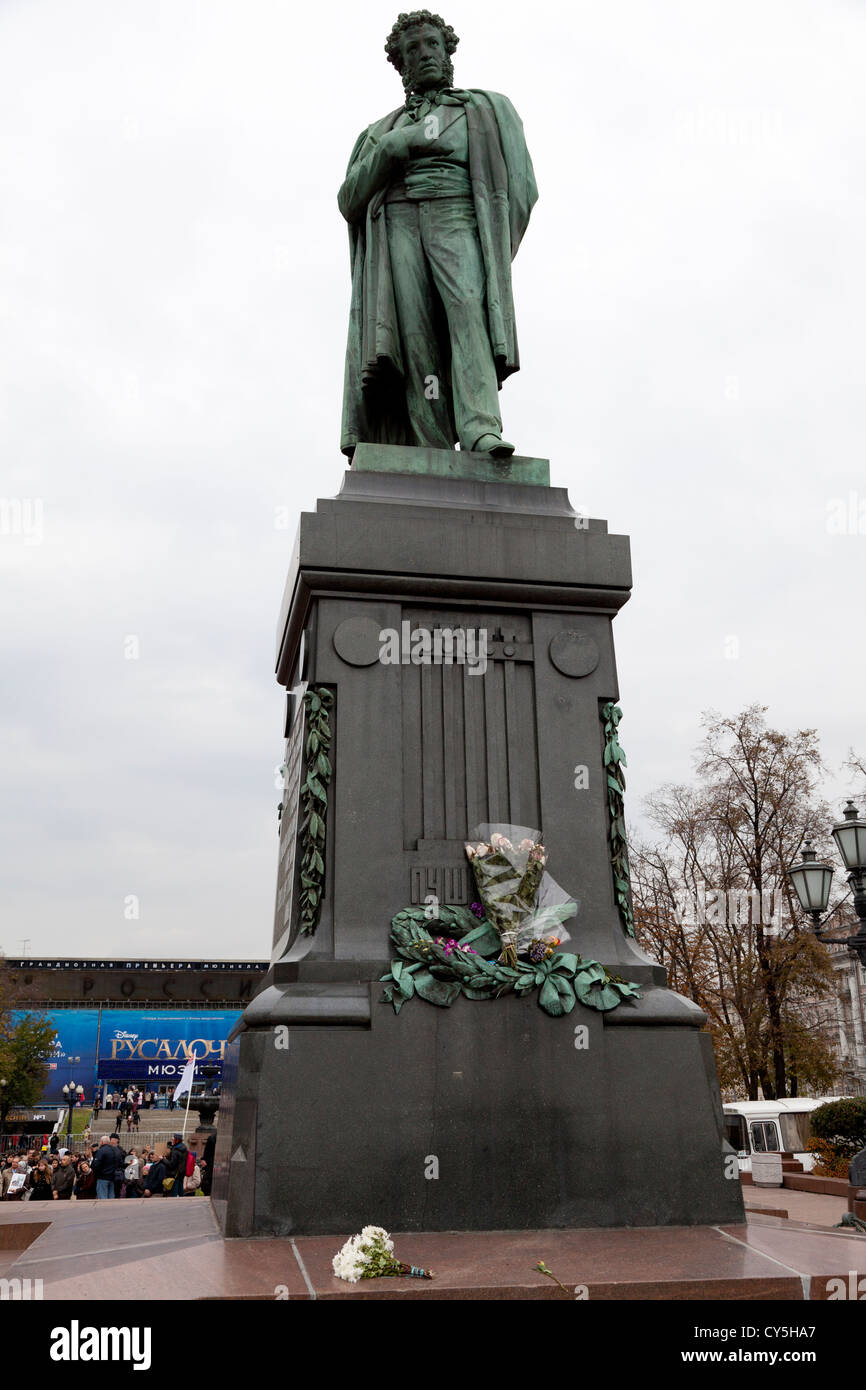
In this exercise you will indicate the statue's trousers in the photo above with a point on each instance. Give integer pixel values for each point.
(434, 249)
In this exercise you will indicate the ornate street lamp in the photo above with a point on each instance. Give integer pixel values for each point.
(70, 1092)
(811, 879)
(850, 837)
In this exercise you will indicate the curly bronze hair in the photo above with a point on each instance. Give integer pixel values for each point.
(411, 21)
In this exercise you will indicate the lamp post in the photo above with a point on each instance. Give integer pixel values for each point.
(811, 879)
(206, 1105)
(70, 1091)
(4, 1107)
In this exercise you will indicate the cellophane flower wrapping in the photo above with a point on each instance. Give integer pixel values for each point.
(519, 899)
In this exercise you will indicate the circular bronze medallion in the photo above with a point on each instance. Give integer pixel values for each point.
(574, 653)
(357, 641)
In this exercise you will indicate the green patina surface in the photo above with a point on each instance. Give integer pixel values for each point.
(437, 197)
(448, 463)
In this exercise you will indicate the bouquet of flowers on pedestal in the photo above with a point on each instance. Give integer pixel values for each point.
(509, 863)
(370, 1256)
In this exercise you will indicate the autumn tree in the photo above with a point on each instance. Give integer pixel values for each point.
(24, 1047)
(713, 903)
(855, 763)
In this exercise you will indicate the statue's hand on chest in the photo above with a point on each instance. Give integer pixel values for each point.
(436, 134)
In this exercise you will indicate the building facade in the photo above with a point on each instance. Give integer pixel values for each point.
(121, 1023)
(848, 1030)
(49, 983)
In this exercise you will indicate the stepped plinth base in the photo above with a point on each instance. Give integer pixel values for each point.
(487, 1115)
(98, 1251)
(449, 463)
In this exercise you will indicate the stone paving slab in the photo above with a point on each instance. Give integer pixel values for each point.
(816, 1254)
(814, 1207)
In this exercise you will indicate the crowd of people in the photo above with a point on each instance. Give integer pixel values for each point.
(106, 1170)
(129, 1101)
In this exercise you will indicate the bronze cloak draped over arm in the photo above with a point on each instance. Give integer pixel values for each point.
(366, 176)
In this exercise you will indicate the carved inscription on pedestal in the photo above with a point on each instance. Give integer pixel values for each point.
(446, 883)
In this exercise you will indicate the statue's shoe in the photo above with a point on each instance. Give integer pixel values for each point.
(493, 445)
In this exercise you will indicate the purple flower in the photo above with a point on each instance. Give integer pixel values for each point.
(477, 909)
(452, 944)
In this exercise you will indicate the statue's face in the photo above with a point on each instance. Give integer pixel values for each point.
(424, 56)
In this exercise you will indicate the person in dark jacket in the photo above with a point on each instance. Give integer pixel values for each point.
(153, 1178)
(104, 1167)
(64, 1179)
(177, 1165)
(40, 1190)
(207, 1162)
(120, 1164)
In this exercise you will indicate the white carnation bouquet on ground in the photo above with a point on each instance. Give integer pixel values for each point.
(370, 1256)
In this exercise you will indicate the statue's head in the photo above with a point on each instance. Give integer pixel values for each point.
(420, 47)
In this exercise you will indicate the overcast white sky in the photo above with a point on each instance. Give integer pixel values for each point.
(174, 287)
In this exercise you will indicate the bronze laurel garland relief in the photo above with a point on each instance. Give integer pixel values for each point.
(318, 703)
(440, 969)
(614, 763)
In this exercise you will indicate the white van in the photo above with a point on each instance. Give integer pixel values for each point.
(771, 1126)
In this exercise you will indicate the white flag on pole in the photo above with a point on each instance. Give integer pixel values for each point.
(185, 1083)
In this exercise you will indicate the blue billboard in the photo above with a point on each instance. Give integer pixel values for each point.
(153, 1046)
(104, 1048)
(73, 1056)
